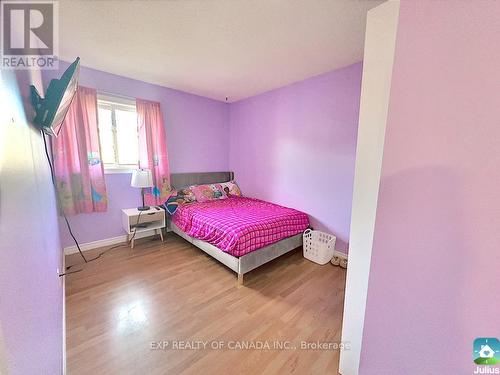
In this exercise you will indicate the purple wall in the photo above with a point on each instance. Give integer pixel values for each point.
(296, 146)
(31, 293)
(293, 146)
(197, 137)
(434, 273)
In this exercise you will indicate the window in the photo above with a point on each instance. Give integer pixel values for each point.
(118, 133)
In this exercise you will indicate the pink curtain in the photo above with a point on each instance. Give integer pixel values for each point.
(153, 150)
(77, 161)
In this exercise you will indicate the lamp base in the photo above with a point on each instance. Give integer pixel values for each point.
(143, 208)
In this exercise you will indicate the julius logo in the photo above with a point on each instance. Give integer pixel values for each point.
(486, 351)
(29, 34)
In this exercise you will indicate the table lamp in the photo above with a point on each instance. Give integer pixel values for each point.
(142, 178)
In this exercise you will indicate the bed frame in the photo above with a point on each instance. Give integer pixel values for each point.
(247, 262)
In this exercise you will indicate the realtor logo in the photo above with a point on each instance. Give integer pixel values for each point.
(486, 351)
(29, 34)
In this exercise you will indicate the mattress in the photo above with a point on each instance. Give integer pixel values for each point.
(239, 225)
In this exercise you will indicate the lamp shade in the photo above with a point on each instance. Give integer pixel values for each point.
(142, 178)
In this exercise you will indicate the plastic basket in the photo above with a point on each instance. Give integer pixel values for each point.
(318, 246)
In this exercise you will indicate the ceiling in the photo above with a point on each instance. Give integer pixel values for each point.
(214, 48)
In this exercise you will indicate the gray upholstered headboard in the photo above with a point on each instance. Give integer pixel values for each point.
(181, 180)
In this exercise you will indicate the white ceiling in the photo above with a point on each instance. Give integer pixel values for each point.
(215, 48)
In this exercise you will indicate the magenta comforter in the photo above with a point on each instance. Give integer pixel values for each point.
(239, 225)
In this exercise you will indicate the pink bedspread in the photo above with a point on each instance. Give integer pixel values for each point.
(239, 225)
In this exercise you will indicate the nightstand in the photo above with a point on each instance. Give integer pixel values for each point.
(135, 221)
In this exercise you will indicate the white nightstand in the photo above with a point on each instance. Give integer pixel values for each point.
(135, 221)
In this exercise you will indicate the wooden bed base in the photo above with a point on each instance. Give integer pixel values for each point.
(247, 262)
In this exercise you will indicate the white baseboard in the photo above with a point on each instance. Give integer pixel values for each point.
(102, 243)
(95, 244)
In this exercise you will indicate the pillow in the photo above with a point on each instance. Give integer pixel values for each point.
(187, 195)
(204, 193)
(178, 197)
(231, 188)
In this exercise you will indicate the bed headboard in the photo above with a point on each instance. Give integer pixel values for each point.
(181, 180)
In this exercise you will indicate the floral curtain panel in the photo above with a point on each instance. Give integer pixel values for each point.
(153, 150)
(77, 162)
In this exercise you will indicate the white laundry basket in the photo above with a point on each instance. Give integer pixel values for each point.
(318, 246)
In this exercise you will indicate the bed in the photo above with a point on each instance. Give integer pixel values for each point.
(242, 233)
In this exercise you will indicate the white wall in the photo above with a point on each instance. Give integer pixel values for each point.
(380, 43)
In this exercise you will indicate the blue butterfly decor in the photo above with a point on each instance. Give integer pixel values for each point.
(96, 197)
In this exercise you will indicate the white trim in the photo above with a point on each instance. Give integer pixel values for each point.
(118, 170)
(380, 45)
(105, 242)
(95, 244)
(114, 104)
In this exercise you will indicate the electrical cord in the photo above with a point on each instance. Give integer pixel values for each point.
(52, 175)
(105, 251)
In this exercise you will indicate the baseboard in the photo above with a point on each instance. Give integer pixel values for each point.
(95, 244)
(102, 243)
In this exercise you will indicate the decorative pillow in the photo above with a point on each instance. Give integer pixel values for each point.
(179, 197)
(187, 195)
(204, 193)
(231, 188)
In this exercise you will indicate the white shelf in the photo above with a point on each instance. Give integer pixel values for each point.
(153, 219)
(153, 225)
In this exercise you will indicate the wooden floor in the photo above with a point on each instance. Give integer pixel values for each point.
(125, 308)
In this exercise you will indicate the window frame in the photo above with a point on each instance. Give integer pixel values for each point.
(113, 103)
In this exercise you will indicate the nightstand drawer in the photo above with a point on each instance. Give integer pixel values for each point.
(147, 217)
